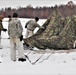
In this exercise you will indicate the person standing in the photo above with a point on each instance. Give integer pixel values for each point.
(9, 16)
(15, 33)
(1, 28)
(9, 19)
(30, 26)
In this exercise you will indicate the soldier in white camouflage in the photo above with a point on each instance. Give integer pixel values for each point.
(15, 33)
(31, 25)
(1, 29)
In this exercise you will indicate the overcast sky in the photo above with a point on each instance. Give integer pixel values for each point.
(34, 3)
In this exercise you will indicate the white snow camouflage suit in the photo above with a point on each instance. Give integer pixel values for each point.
(15, 31)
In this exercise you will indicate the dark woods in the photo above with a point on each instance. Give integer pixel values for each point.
(42, 12)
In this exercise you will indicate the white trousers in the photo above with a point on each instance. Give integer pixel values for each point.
(16, 44)
(29, 33)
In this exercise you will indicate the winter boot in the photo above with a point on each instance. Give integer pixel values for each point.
(0, 47)
(21, 59)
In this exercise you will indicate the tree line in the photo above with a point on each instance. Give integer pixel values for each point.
(42, 12)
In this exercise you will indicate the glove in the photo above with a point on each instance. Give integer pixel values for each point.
(21, 37)
(4, 30)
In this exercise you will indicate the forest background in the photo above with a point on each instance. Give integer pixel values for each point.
(68, 9)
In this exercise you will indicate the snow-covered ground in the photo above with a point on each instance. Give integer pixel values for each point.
(51, 62)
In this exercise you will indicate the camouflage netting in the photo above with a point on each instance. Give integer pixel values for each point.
(59, 33)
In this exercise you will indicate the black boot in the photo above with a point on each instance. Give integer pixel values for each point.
(21, 59)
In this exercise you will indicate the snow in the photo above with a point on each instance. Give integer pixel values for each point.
(52, 62)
